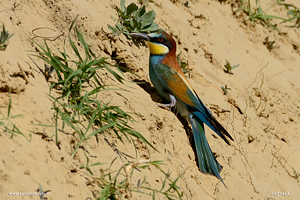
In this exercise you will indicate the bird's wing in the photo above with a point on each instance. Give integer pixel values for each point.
(179, 86)
(174, 83)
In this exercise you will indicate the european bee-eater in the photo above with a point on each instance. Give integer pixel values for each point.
(170, 82)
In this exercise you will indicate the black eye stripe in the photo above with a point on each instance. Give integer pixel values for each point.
(160, 39)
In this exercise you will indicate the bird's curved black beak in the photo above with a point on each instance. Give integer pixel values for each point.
(141, 36)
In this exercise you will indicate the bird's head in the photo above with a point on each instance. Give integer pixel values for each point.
(159, 43)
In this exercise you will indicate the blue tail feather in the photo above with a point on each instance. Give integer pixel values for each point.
(212, 123)
(206, 160)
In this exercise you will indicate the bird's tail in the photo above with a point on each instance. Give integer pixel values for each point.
(206, 160)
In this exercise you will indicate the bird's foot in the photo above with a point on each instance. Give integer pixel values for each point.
(169, 105)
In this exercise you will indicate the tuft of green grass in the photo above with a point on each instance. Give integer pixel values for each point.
(8, 125)
(133, 19)
(120, 183)
(4, 37)
(72, 81)
(100, 117)
(228, 68)
(293, 13)
(258, 14)
(78, 84)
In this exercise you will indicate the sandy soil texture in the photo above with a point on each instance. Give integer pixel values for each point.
(261, 109)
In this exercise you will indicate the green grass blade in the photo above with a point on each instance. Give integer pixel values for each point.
(75, 48)
(9, 108)
(138, 135)
(72, 75)
(101, 129)
(72, 24)
(76, 149)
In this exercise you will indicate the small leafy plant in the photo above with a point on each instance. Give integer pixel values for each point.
(269, 44)
(225, 89)
(134, 19)
(4, 37)
(42, 192)
(296, 175)
(228, 68)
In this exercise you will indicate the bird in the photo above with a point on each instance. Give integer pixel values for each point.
(174, 88)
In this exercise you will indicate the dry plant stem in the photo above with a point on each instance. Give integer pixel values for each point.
(51, 38)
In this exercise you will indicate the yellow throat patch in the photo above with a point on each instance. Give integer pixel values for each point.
(157, 49)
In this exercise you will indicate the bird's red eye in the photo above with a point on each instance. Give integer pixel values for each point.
(161, 39)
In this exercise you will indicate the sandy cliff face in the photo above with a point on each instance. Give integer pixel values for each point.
(261, 110)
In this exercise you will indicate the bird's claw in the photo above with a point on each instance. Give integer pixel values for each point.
(169, 105)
